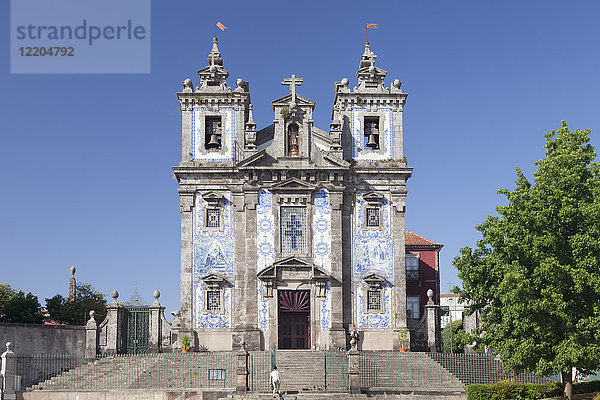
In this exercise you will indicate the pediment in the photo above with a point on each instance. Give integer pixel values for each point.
(253, 159)
(374, 281)
(212, 198)
(373, 197)
(300, 100)
(293, 184)
(292, 262)
(281, 269)
(213, 278)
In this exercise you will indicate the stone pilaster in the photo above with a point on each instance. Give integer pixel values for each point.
(9, 373)
(346, 236)
(246, 313)
(398, 208)
(187, 260)
(337, 333)
(91, 336)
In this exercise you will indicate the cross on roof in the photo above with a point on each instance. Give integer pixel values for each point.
(292, 82)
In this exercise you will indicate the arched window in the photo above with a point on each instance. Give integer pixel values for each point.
(292, 142)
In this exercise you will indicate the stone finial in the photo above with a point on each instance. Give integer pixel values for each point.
(115, 296)
(397, 83)
(156, 295)
(92, 314)
(72, 285)
(188, 86)
(9, 347)
(214, 57)
(430, 296)
(91, 324)
(345, 82)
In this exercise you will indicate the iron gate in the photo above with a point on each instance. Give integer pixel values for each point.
(136, 328)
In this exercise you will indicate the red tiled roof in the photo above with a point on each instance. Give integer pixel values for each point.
(412, 238)
(448, 295)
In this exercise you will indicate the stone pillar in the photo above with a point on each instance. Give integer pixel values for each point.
(72, 285)
(91, 336)
(337, 333)
(432, 323)
(241, 371)
(398, 199)
(9, 376)
(114, 317)
(353, 371)
(187, 260)
(155, 325)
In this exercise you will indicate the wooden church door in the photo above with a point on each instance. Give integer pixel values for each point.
(294, 319)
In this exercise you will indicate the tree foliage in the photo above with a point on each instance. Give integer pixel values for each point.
(455, 338)
(16, 306)
(535, 273)
(77, 312)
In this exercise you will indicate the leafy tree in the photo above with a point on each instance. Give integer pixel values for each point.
(6, 292)
(20, 307)
(455, 337)
(535, 274)
(77, 312)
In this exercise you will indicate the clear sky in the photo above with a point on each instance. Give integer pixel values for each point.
(85, 160)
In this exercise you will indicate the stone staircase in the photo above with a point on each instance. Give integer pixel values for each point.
(301, 370)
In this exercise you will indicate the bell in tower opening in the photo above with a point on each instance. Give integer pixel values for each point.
(213, 133)
(292, 140)
(372, 132)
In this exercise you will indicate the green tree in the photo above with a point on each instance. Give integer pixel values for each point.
(6, 292)
(77, 312)
(455, 337)
(535, 273)
(21, 307)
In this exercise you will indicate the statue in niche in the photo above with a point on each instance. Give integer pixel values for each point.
(292, 140)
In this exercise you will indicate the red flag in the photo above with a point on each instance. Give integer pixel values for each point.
(372, 26)
(221, 26)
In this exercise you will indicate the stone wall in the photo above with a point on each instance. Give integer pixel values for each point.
(43, 339)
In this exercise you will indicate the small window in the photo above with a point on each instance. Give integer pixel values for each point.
(216, 374)
(213, 135)
(373, 300)
(213, 218)
(372, 217)
(213, 300)
(412, 267)
(413, 306)
(371, 132)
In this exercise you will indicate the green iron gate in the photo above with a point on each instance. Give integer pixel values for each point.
(136, 329)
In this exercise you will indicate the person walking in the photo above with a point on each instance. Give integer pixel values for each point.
(275, 381)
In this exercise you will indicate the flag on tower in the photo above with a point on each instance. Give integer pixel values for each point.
(372, 26)
(221, 26)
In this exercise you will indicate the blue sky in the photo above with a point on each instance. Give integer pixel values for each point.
(85, 160)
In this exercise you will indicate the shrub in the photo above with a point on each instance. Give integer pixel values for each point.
(513, 391)
(586, 387)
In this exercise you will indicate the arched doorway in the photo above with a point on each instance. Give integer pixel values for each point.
(294, 319)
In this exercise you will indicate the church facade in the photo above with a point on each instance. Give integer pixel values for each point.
(292, 234)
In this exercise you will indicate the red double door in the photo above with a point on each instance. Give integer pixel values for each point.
(294, 319)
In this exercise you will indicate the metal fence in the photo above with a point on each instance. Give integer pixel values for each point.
(336, 371)
(193, 370)
(434, 370)
(259, 368)
(218, 369)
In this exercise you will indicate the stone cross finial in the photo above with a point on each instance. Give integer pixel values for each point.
(293, 82)
(72, 285)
